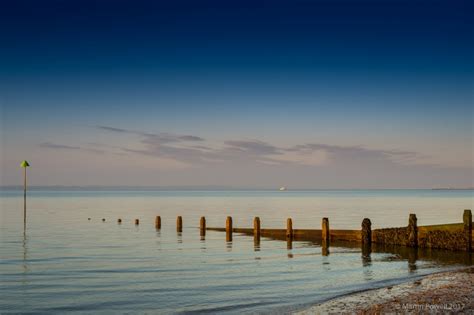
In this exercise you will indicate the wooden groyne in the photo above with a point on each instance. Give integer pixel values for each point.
(456, 237)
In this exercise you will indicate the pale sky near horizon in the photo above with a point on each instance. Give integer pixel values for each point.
(304, 94)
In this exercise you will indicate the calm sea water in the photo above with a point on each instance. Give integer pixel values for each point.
(66, 263)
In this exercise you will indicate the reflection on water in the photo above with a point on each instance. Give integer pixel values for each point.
(412, 258)
(64, 262)
(411, 255)
(324, 249)
(256, 245)
(366, 251)
(379, 265)
(367, 263)
(25, 254)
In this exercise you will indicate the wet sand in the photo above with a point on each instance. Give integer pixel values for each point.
(442, 293)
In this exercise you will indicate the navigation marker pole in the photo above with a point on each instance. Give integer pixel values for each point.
(24, 164)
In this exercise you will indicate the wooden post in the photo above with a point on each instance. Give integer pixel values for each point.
(119, 221)
(103, 220)
(412, 231)
(202, 226)
(179, 224)
(289, 233)
(325, 231)
(467, 222)
(289, 229)
(228, 229)
(137, 222)
(366, 237)
(366, 232)
(256, 230)
(158, 222)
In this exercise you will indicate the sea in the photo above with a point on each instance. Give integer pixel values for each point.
(74, 257)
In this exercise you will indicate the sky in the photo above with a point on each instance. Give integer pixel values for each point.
(252, 94)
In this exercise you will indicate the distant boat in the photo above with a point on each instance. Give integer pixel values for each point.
(283, 188)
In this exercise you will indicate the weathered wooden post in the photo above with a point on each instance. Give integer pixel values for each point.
(467, 222)
(137, 222)
(412, 231)
(228, 229)
(366, 232)
(202, 226)
(119, 221)
(158, 222)
(366, 239)
(289, 229)
(179, 224)
(325, 231)
(256, 230)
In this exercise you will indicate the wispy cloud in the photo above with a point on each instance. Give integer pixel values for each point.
(356, 153)
(55, 146)
(183, 148)
(190, 138)
(252, 147)
(153, 138)
(113, 129)
(254, 161)
(50, 145)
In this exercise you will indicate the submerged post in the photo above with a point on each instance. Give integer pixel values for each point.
(228, 229)
(467, 222)
(366, 232)
(137, 222)
(325, 231)
(202, 226)
(289, 229)
(179, 224)
(158, 222)
(412, 231)
(256, 230)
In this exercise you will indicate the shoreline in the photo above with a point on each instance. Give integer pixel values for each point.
(439, 293)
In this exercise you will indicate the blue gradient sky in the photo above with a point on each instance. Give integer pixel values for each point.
(308, 94)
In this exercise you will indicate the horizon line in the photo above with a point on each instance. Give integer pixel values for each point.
(209, 187)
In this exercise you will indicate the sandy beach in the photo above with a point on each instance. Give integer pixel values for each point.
(442, 293)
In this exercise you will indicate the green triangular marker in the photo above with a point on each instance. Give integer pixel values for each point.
(25, 164)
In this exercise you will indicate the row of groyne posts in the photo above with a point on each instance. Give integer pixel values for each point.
(456, 236)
